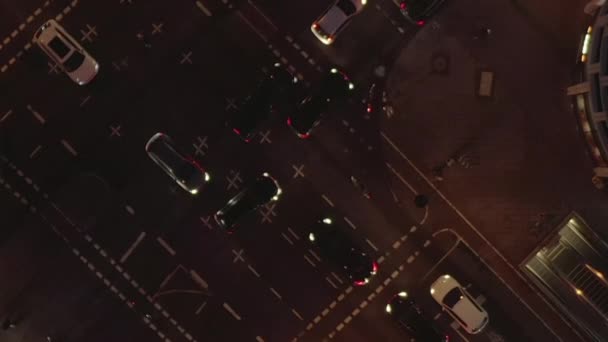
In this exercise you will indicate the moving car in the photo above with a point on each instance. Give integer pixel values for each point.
(335, 18)
(276, 92)
(263, 190)
(419, 11)
(459, 304)
(341, 250)
(410, 317)
(188, 174)
(65, 51)
(376, 100)
(335, 86)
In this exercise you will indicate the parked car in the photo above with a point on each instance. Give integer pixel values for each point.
(335, 86)
(406, 312)
(342, 251)
(188, 174)
(263, 190)
(419, 11)
(65, 51)
(335, 18)
(459, 304)
(276, 92)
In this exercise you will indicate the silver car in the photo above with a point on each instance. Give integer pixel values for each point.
(183, 169)
(65, 51)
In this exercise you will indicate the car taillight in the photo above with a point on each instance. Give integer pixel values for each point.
(236, 131)
(374, 268)
(360, 283)
(289, 121)
(304, 136)
(402, 5)
(420, 22)
(369, 108)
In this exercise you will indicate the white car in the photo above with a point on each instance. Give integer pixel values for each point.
(454, 299)
(65, 51)
(332, 21)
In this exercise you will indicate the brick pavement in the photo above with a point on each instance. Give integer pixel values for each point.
(531, 156)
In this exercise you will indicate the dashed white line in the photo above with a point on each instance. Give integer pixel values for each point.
(276, 293)
(69, 147)
(350, 223)
(297, 314)
(166, 245)
(203, 8)
(314, 254)
(253, 271)
(371, 245)
(309, 261)
(197, 278)
(287, 238)
(35, 151)
(327, 200)
(132, 247)
(331, 283)
(293, 233)
(380, 260)
(251, 26)
(6, 115)
(410, 259)
(130, 210)
(396, 173)
(426, 243)
(37, 115)
(234, 314)
(337, 278)
(396, 244)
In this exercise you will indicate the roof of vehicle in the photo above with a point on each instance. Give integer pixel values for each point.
(417, 9)
(333, 19)
(249, 199)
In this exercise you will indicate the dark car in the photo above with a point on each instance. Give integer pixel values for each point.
(376, 100)
(263, 190)
(182, 168)
(410, 318)
(276, 92)
(419, 11)
(341, 250)
(335, 86)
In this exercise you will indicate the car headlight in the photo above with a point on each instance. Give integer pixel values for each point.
(311, 237)
(388, 309)
(194, 191)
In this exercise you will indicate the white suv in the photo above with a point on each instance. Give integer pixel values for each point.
(454, 299)
(335, 18)
(64, 50)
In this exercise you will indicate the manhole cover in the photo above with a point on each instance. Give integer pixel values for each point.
(440, 63)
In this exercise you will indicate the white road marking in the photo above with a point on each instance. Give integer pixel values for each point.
(293, 233)
(394, 274)
(349, 223)
(238, 255)
(263, 15)
(199, 280)
(413, 229)
(380, 259)
(396, 244)
(263, 37)
(36, 114)
(129, 251)
(259, 339)
(69, 147)
(203, 8)
(165, 245)
(371, 245)
(130, 210)
(200, 308)
(340, 326)
(309, 261)
(234, 314)
(410, 259)
(331, 283)
(327, 200)
(317, 319)
(314, 254)
(340, 297)
(356, 312)
(276, 293)
(253, 271)
(35, 151)
(396, 173)
(297, 314)
(337, 278)
(6, 115)
(287, 238)
(426, 243)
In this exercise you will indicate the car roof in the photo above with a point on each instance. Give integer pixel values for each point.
(417, 9)
(248, 199)
(333, 19)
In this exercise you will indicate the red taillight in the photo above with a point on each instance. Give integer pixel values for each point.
(236, 131)
(374, 267)
(304, 136)
(420, 22)
(369, 108)
(360, 283)
(402, 5)
(289, 121)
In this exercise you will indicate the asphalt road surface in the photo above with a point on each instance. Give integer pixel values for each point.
(116, 251)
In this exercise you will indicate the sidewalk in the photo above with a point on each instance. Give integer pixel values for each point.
(529, 156)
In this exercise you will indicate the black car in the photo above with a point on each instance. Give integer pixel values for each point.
(419, 11)
(263, 190)
(410, 317)
(276, 92)
(335, 86)
(341, 250)
(182, 168)
(376, 100)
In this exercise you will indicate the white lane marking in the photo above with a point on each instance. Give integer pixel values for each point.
(426, 243)
(380, 259)
(309, 261)
(349, 223)
(197, 278)
(314, 255)
(35, 151)
(287, 238)
(263, 15)
(340, 297)
(337, 278)
(396, 244)
(410, 259)
(231, 310)
(263, 37)
(371, 245)
(297, 314)
(331, 283)
(394, 274)
(276, 293)
(166, 245)
(348, 290)
(396, 173)
(132, 247)
(130, 209)
(348, 319)
(253, 271)
(200, 308)
(69, 147)
(327, 200)
(203, 8)
(436, 317)
(6, 115)
(36, 114)
(317, 319)
(293, 233)
(340, 326)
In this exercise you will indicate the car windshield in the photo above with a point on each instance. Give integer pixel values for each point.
(452, 297)
(59, 47)
(347, 7)
(74, 62)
